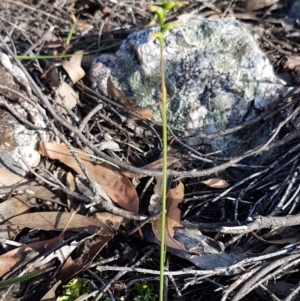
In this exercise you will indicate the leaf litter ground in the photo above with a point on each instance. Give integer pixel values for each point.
(99, 226)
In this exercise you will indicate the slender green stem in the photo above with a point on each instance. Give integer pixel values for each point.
(69, 37)
(5, 283)
(164, 179)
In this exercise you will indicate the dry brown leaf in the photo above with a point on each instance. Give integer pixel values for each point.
(52, 75)
(43, 193)
(292, 62)
(73, 67)
(258, 4)
(56, 221)
(174, 198)
(73, 265)
(12, 207)
(115, 92)
(155, 199)
(216, 183)
(114, 183)
(126, 103)
(66, 97)
(8, 178)
(16, 205)
(9, 208)
(109, 219)
(12, 258)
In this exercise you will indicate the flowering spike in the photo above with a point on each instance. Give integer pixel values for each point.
(160, 13)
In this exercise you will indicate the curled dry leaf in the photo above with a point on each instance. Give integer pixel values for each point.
(216, 183)
(174, 198)
(114, 183)
(65, 94)
(126, 102)
(66, 97)
(73, 67)
(73, 264)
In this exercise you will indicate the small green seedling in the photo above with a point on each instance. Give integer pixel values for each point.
(73, 290)
(143, 292)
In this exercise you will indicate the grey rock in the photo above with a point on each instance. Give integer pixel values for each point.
(293, 17)
(17, 142)
(216, 76)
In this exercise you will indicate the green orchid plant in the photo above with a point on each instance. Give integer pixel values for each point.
(160, 12)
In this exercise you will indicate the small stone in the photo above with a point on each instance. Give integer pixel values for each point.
(216, 76)
(293, 16)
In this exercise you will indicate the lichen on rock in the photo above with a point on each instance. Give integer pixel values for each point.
(216, 75)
